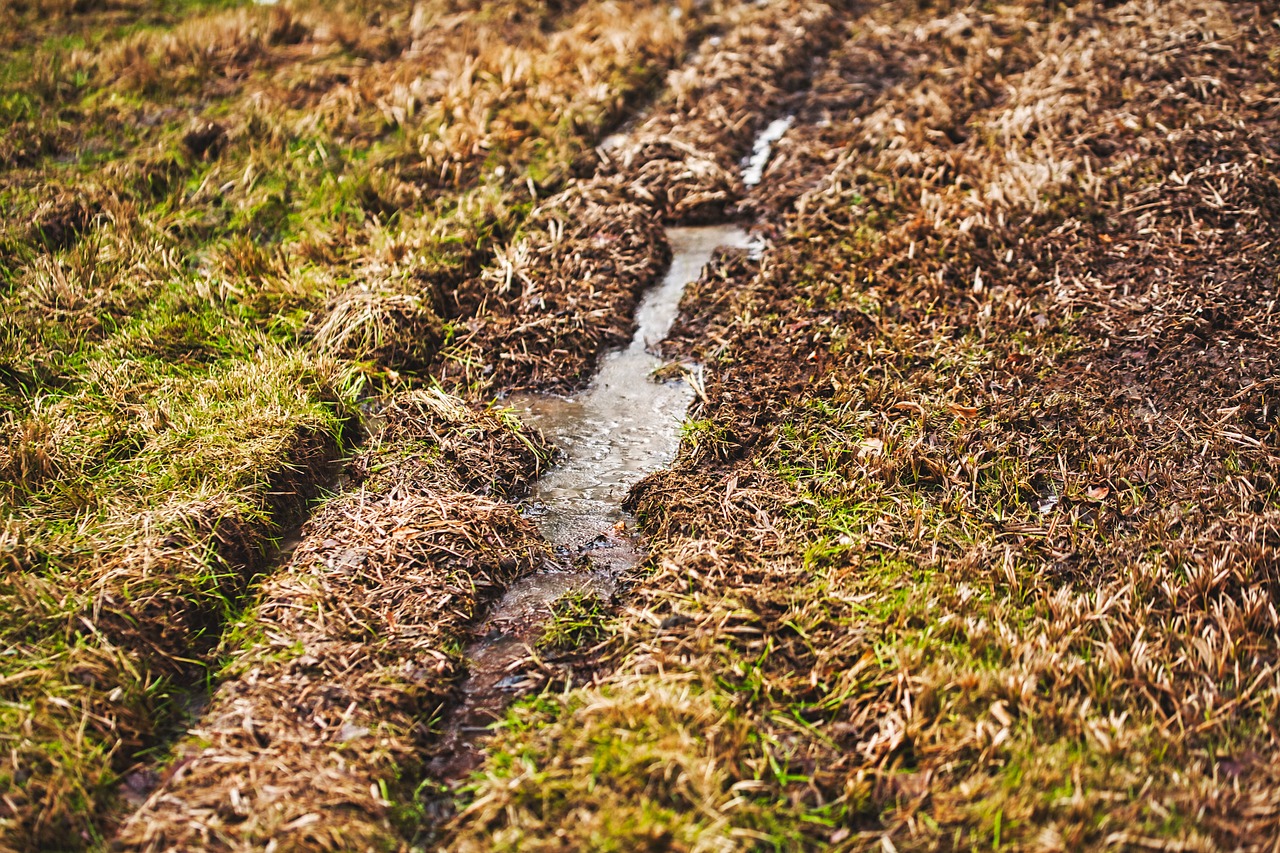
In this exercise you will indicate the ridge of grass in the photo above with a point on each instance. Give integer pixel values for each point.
(192, 197)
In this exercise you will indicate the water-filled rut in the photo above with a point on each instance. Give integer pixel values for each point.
(626, 424)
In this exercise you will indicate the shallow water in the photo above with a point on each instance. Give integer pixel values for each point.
(623, 426)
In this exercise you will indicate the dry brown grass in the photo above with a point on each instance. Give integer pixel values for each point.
(684, 160)
(552, 302)
(973, 542)
(105, 611)
(352, 646)
(389, 328)
(977, 532)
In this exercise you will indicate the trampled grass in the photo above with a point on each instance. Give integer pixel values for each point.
(226, 224)
(972, 540)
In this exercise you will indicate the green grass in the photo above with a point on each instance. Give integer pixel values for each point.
(168, 411)
(579, 619)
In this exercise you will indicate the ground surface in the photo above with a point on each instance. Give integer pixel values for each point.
(972, 540)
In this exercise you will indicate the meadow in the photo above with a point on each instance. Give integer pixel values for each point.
(971, 543)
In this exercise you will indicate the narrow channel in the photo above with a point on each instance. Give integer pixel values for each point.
(626, 424)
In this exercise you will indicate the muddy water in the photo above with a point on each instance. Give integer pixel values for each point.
(623, 426)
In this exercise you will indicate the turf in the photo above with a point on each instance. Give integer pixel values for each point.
(972, 539)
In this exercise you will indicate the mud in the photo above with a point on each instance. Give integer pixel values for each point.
(1033, 337)
(541, 321)
(624, 425)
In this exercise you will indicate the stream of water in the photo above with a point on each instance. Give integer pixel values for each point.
(625, 425)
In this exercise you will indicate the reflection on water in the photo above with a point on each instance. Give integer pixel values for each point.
(623, 426)
(753, 171)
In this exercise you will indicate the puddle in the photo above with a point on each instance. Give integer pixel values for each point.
(623, 426)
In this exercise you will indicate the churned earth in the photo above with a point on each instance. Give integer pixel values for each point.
(970, 541)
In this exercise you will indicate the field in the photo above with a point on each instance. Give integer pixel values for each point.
(973, 539)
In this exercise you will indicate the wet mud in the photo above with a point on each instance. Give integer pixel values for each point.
(975, 381)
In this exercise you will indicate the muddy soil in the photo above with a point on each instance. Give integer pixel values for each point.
(989, 444)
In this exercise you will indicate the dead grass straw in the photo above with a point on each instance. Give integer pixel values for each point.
(352, 647)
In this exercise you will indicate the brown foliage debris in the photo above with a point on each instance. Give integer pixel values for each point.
(353, 645)
(554, 300)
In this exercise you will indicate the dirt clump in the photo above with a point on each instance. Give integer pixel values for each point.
(61, 222)
(323, 715)
(556, 299)
(683, 159)
(383, 325)
(204, 139)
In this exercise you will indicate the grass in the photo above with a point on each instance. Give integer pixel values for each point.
(350, 650)
(984, 577)
(972, 540)
(578, 620)
(217, 249)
